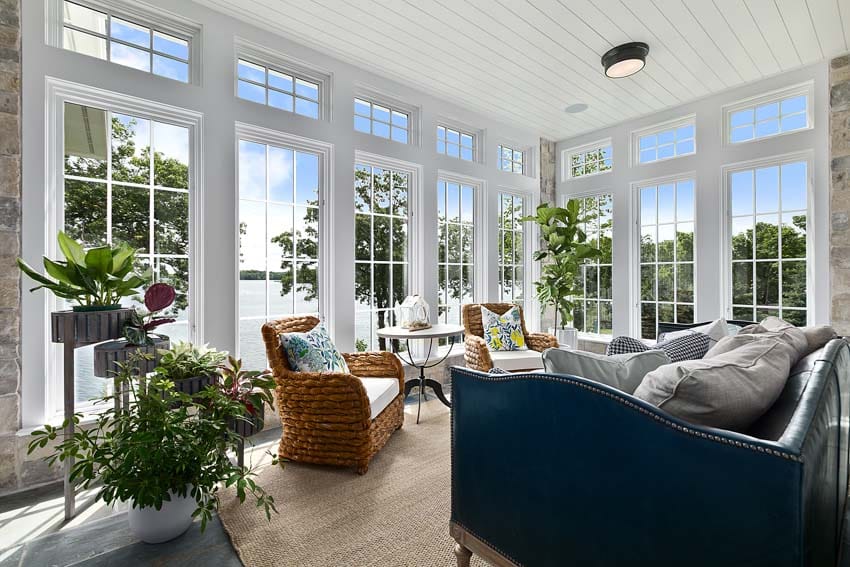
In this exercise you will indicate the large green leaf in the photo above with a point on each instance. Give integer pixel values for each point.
(122, 256)
(72, 249)
(99, 261)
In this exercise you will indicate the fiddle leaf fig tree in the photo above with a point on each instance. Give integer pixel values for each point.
(564, 250)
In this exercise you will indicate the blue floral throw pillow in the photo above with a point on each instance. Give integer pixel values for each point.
(503, 332)
(313, 351)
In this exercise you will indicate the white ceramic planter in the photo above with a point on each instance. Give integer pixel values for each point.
(157, 526)
(566, 337)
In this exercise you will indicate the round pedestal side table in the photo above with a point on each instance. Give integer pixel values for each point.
(435, 332)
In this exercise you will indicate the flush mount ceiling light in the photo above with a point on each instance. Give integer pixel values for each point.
(625, 60)
(575, 108)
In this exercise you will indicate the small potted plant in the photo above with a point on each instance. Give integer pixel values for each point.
(165, 454)
(190, 367)
(252, 389)
(138, 335)
(94, 281)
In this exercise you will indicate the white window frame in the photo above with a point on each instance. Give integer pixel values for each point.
(806, 89)
(325, 151)
(514, 148)
(596, 193)
(60, 92)
(478, 138)
(416, 233)
(812, 300)
(394, 103)
(283, 63)
(480, 227)
(567, 155)
(635, 263)
(155, 18)
(675, 124)
(530, 268)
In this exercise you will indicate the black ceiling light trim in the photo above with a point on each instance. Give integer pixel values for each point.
(625, 60)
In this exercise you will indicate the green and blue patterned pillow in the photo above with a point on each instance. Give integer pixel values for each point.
(313, 351)
(503, 332)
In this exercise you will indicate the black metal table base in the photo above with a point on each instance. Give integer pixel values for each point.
(422, 381)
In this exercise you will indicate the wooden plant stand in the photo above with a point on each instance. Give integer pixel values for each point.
(76, 329)
(108, 354)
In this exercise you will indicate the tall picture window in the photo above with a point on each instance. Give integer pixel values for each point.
(769, 224)
(511, 251)
(381, 250)
(126, 178)
(594, 307)
(456, 244)
(278, 240)
(666, 255)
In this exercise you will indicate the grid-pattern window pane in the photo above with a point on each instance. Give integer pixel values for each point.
(510, 159)
(769, 119)
(102, 35)
(591, 162)
(126, 179)
(381, 120)
(455, 143)
(277, 89)
(666, 144)
(456, 233)
(511, 251)
(278, 240)
(594, 308)
(666, 255)
(768, 246)
(381, 250)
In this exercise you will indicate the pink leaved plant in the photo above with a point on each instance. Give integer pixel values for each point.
(158, 297)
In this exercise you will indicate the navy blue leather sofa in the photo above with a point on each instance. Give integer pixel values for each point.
(552, 470)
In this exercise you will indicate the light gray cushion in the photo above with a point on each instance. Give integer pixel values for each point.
(818, 336)
(730, 388)
(715, 330)
(621, 371)
(513, 360)
(771, 329)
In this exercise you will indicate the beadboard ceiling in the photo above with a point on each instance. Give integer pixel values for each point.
(523, 61)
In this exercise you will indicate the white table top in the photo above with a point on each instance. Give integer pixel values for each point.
(437, 331)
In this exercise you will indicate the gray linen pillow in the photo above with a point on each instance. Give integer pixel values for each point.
(730, 389)
(817, 336)
(621, 371)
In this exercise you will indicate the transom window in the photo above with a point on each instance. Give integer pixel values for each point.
(382, 121)
(284, 91)
(590, 161)
(668, 143)
(455, 143)
(510, 159)
(102, 35)
(666, 255)
(511, 252)
(769, 118)
(278, 240)
(594, 307)
(768, 241)
(126, 179)
(456, 234)
(381, 250)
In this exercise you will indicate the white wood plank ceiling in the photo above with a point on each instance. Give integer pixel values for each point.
(523, 61)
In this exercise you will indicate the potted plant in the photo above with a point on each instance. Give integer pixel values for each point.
(564, 250)
(190, 367)
(165, 454)
(252, 389)
(138, 335)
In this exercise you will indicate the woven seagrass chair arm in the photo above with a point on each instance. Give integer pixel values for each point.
(540, 341)
(375, 364)
(476, 354)
(294, 388)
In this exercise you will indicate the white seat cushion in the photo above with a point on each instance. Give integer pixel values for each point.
(381, 392)
(517, 359)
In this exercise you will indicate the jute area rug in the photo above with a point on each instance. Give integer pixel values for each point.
(396, 515)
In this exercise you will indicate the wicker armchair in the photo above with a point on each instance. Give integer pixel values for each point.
(326, 417)
(476, 353)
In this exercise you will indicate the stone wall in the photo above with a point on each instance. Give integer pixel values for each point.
(548, 181)
(839, 148)
(10, 241)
